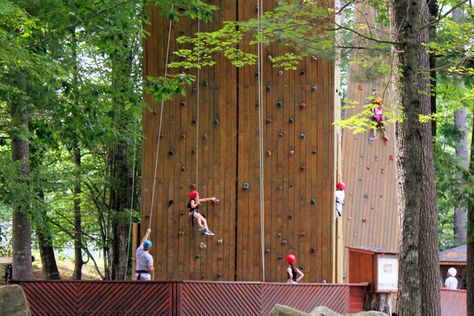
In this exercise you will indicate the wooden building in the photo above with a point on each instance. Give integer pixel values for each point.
(217, 149)
(370, 211)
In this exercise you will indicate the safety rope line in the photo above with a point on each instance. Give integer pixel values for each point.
(159, 128)
(260, 133)
(198, 83)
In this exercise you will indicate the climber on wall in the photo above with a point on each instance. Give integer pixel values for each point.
(294, 274)
(377, 117)
(340, 196)
(194, 202)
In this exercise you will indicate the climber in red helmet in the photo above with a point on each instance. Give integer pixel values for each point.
(294, 274)
(194, 202)
(340, 196)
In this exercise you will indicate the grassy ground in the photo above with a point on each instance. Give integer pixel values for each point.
(66, 269)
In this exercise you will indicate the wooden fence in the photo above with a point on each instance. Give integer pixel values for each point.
(185, 297)
(453, 302)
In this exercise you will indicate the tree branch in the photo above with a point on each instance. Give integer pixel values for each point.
(67, 232)
(457, 5)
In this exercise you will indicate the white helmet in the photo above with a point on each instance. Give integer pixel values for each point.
(452, 272)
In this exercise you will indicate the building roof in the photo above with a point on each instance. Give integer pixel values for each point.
(374, 250)
(457, 254)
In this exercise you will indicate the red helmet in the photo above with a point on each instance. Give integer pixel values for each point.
(291, 259)
(340, 185)
(193, 194)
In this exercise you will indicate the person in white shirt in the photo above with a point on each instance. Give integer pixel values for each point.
(144, 259)
(451, 282)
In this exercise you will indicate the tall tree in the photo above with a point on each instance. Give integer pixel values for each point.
(22, 267)
(418, 274)
(462, 153)
(470, 234)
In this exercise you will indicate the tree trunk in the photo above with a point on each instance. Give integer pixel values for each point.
(22, 267)
(470, 240)
(120, 164)
(78, 262)
(462, 154)
(120, 203)
(45, 245)
(433, 9)
(48, 259)
(419, 270)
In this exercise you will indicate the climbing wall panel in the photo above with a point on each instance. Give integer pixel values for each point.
(370, 210)
(180, 251)
(298, 164)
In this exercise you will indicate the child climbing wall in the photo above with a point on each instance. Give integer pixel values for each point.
(377, 117)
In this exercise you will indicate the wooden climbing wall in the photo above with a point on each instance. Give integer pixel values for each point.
(298, 164)
(370, 209)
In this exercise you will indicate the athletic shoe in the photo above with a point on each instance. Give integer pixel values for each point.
(371, 140)
(208, 233)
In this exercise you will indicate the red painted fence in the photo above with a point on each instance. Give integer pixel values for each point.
(185, 297)
(453, 302)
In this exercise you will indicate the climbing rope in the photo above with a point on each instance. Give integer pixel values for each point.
(260, 134)
(159, 129)
(198, 81)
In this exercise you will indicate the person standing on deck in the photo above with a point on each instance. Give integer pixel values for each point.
(144, 266)
(294, 274)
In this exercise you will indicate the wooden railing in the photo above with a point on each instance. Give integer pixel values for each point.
(185, 297)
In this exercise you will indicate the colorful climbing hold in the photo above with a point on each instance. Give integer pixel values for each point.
(279, 103)
(291, 120)
(303, 105)
(246, 185)
(314, 87)
(291, 152)
(313, 201)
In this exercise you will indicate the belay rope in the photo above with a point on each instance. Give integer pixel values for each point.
(159, 129)
(260, 135)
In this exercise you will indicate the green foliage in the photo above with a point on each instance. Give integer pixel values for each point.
(164, 88)
(194, 9)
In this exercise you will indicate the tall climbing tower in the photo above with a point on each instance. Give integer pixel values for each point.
(260, 139)
(370, 210)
